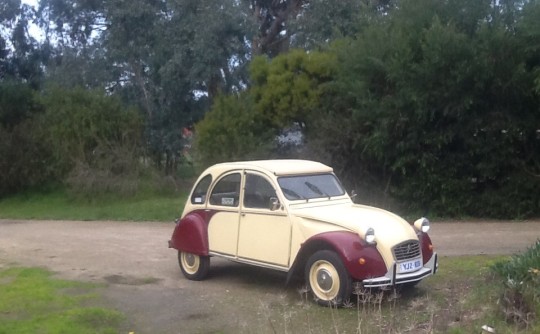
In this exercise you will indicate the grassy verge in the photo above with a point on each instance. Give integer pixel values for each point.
(33, 302)
(461, 298)
(59, 205)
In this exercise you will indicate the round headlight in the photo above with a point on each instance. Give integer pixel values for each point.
(422, 224)
(369, 237)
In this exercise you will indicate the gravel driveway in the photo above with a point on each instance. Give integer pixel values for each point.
(143, 279)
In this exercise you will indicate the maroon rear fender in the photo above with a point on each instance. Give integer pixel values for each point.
(350, 249)
(191, 233)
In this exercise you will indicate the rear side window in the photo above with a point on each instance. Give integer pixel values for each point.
(199, 194)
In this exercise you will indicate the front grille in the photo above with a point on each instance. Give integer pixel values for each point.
(407, 250)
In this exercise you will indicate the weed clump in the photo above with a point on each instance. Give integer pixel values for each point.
(520, 300)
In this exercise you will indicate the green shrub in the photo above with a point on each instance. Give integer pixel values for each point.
(520, 301)
(81, 122)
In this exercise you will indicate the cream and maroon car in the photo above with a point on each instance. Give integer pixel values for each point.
(294, 216)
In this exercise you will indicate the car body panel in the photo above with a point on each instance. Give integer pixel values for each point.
(390, 228)
(260, 233)
(191, 233)
(223, 232)
(374, 265)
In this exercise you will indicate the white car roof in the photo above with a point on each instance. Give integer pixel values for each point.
(278, 167)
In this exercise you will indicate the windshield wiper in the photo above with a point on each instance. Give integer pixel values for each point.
(315, 189)
(292, 193)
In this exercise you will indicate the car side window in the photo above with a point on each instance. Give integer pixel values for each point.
(199, 194)
(258, 192)
(226, 192)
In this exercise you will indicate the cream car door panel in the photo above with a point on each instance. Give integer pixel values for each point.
(263, 232)
(223, 232)
(262, 237)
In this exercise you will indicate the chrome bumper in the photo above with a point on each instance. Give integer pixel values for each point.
(393, 278)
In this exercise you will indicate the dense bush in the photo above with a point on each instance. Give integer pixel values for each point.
(96, 141)
(230, 131)
(83, 137)
(79, 121)
(442, 109)
(24, 157)
(521, 279)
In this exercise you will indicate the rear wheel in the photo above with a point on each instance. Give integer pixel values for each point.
(194, 267)
(328, 279)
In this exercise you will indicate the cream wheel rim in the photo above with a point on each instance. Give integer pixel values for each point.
(324, 280)
(190, 262)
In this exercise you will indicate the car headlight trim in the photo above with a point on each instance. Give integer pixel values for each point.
(369, 237)
(422, 224)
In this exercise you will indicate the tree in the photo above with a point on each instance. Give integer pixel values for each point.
(169, 58)
(232, 131)
(439, 108)
(272, 37)
(283, 93)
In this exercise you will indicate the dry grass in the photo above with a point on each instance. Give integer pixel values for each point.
(462, 298)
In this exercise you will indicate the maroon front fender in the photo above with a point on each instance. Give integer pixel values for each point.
(191, 233)
(350, 248)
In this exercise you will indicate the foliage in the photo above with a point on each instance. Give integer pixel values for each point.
(283, 92)
(433, 107)
(424, 102)
(24, 159)
(432, 104)
(324, 21)
(286, 89)
(32, 301)
(232, 131)
(21, 56)
(84, 126)
(521, 279)
(24, 154)
(273, 18)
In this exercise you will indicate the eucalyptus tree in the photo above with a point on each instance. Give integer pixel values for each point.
(306, 24)
(170, 58)
(21, 56)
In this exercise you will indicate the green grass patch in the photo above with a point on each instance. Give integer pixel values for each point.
(34, 302)
(59, 204)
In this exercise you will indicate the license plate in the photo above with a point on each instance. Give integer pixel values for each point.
(408, 266)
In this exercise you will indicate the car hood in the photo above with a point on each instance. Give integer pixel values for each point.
(390, 229)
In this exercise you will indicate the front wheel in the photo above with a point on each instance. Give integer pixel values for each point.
(194, 267)
(328, 279)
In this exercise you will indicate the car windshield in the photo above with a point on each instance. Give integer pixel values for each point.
(310, 186)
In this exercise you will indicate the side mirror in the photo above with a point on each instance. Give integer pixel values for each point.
(353, 195)
(274, 204)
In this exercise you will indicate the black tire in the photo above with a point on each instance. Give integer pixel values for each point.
(328, 279)
(194, 267)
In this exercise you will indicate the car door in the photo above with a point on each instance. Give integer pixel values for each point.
(264, 234)
(223, 207)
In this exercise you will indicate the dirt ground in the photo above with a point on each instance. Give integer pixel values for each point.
(141, 276)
